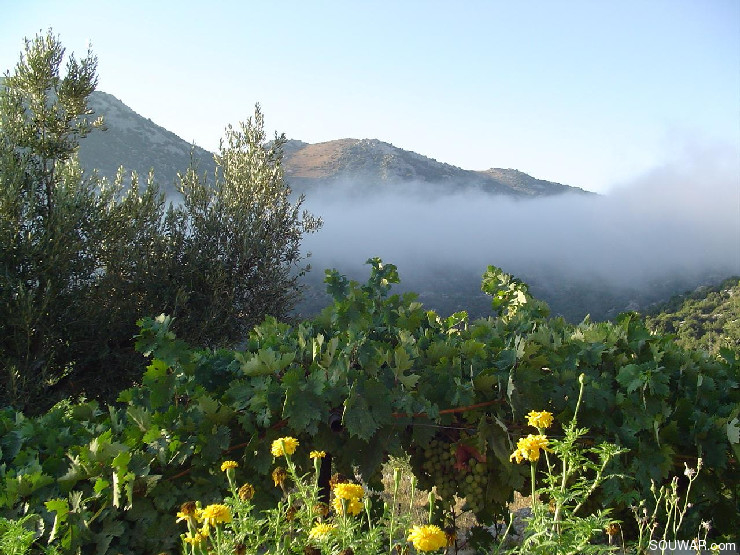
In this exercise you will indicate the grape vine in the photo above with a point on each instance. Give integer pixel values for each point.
(375, 374)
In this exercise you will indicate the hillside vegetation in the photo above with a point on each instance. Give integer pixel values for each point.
(708, 318)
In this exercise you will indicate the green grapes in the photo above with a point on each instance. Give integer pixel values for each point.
(454, 469)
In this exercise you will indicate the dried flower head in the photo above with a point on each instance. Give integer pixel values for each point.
(290, 513)
(337, 479)
(246, 492)
(188, 508)
(321, 509)
(279, 475)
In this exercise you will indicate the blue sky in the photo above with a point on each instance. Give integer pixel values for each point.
(591, 93)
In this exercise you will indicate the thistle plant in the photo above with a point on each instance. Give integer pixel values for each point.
(668, 506)
(571, 475)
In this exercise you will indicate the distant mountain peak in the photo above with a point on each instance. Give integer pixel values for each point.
(139, 144)
(371, 160)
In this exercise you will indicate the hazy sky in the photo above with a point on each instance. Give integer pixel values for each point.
(591, 93)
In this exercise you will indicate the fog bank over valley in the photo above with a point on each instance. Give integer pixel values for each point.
(671, 229)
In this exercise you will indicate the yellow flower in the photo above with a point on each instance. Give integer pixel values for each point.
(228, 464)
(529, 448)
(320, 531)
(317, 454)
(427, 538)
(214, 514)
(542, 419)
(348, 491)
(353, 505)
(246, 492)
(279, 475)
(197, 539)
(284, 446)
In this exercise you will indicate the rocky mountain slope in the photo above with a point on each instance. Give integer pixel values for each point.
(353, 161)
(139, 145)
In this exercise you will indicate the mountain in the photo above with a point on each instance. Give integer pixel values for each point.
(139, 145)
(360, 161)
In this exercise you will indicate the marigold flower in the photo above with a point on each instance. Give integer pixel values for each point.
(317, 454)
(279, 475)
(348, 491)
(246, 492)
(352, 506)
(197, 539)
(284, 446)
(542, 419)
(529, 448)
(427, 538)
(320, 531)
(228, 464)
(215, 514)
(182, 516)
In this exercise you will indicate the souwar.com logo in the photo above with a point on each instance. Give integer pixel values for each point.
(690, 546)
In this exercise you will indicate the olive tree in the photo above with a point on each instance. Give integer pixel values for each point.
(48, 222)
(82, 259)
(238, 240)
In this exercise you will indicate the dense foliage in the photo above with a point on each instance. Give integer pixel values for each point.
(82, 259)
(708, 318)
(375, 374)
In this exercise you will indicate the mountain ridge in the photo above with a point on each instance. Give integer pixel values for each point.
(139, 144)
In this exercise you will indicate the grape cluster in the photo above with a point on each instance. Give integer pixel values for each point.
(455, 469)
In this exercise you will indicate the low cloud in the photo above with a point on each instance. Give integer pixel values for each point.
(681, 220)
